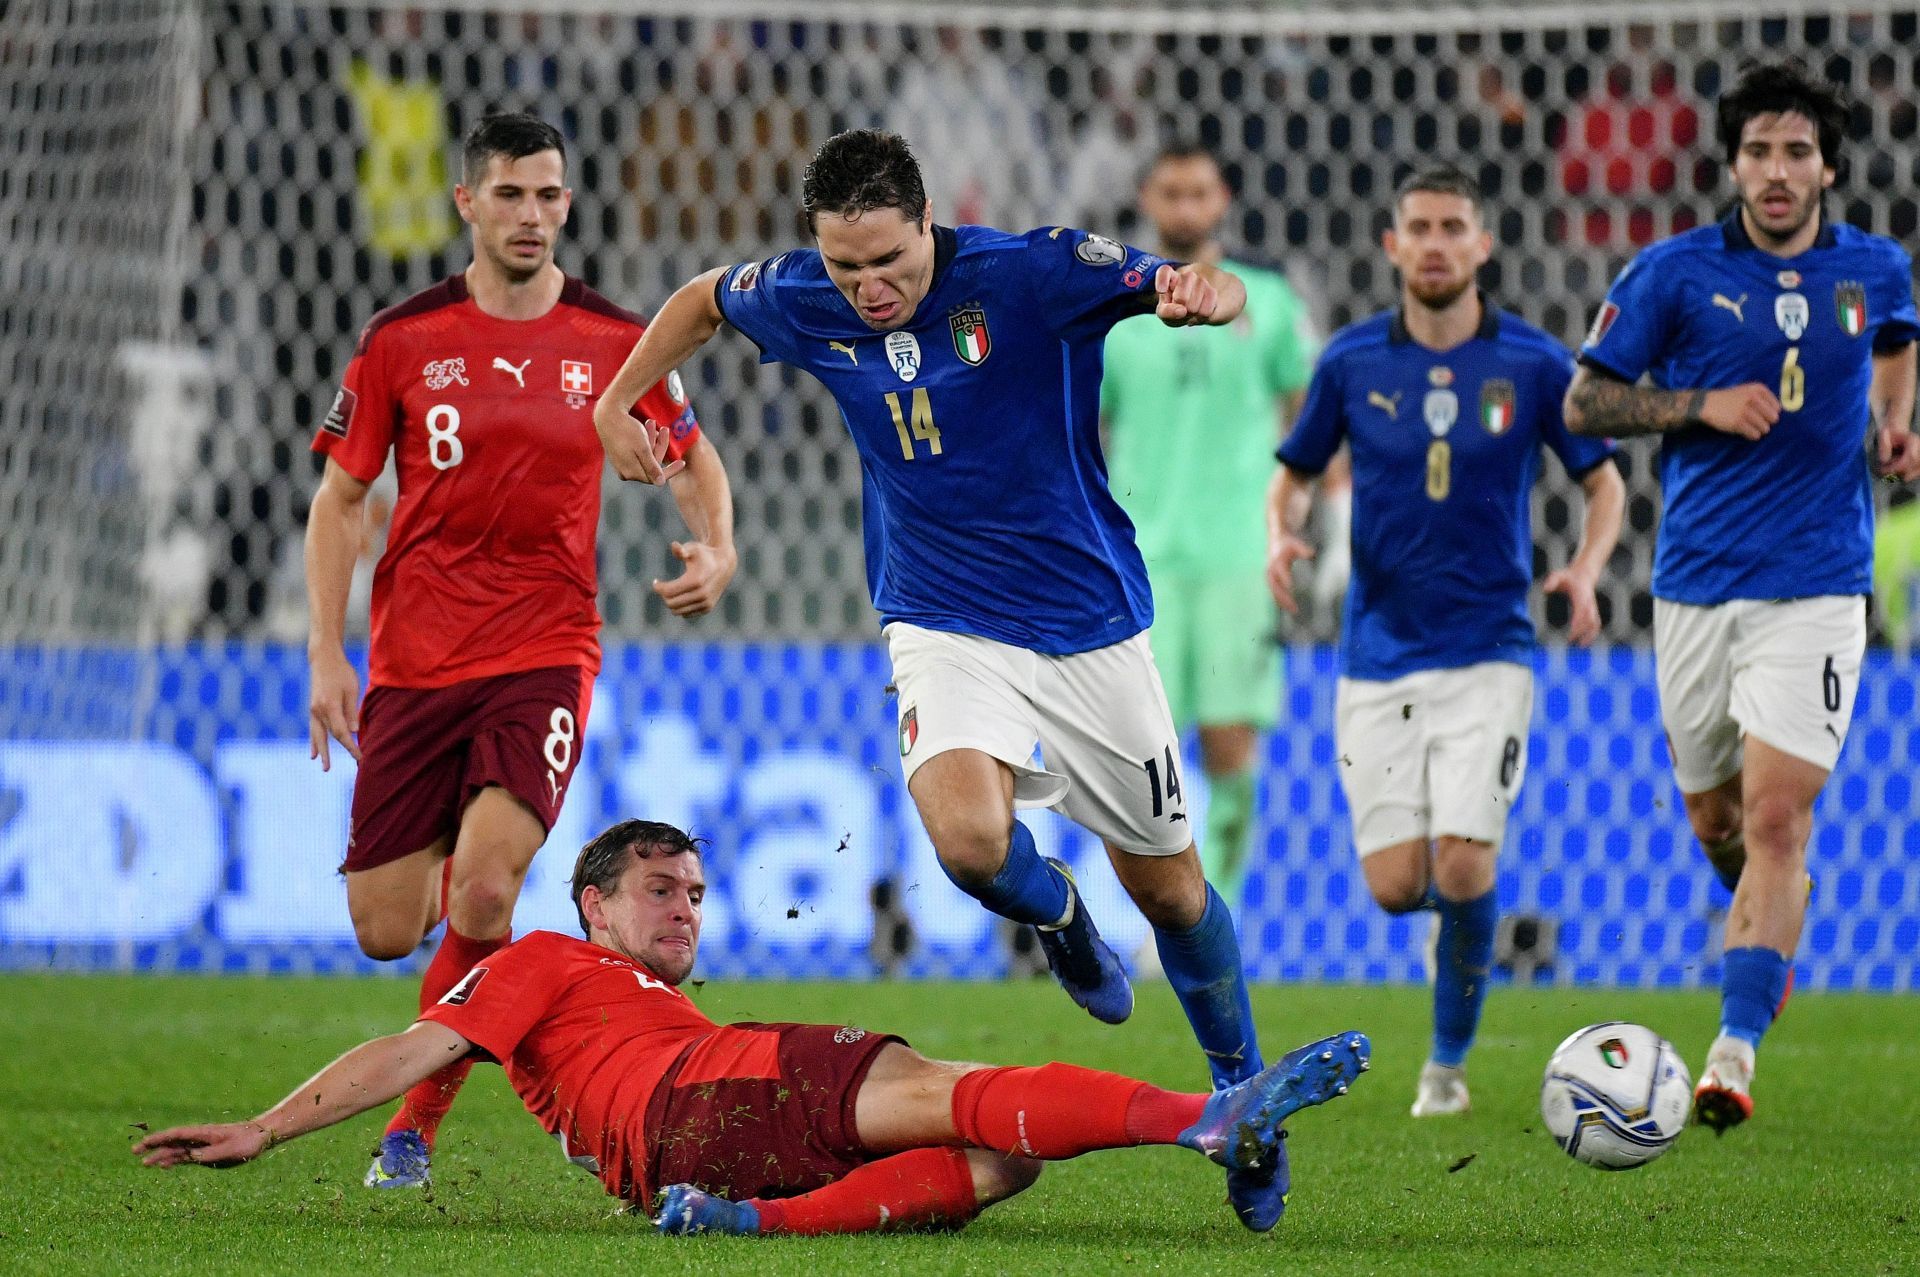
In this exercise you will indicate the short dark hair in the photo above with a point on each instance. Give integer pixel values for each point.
(514, 134)
(859, 171)
(1776, 88)
(1440, 179)
(602, 861)
(1185, 149)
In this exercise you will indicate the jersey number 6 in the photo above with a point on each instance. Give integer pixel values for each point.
(1439, 469)
(917, 423)
(1793, 382)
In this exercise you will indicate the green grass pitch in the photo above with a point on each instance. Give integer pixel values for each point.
(1826, 1179)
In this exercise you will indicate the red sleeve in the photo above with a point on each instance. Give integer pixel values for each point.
(496, 1004)
(357, 431)
(666, 404)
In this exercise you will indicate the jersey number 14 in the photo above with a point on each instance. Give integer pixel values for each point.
(916, 423)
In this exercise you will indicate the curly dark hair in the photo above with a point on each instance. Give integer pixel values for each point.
(515, 135)
(602, 861)
(1776, 88)
(861, 170)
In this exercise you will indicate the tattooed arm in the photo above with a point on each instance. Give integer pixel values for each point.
(1598, 404)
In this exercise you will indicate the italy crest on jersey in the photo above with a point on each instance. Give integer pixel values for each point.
(970, 339)
(1496, 405)
(1850, 305)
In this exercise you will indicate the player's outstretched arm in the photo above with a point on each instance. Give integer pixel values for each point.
(1606, 504)
(687, 322)
(336, 534)
(367, 1076)
(706, 503)
(1198, 294)
(1896, 448)
(1597, 404)
(1289, 502)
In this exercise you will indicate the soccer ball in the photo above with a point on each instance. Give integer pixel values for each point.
(1616, 1095)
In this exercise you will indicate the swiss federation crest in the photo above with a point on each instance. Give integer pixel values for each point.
(903, 352)
(1441, 409)
(1850, 306)
(1496, 405)
(576, 382)
(970, 339)
(1791, 312)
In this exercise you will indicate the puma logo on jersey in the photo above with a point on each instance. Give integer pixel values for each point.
(1736, 307)
(846, 349)
(1389, 404)
(519, 374)
(553, 783)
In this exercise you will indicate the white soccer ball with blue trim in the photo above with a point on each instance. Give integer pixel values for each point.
(1616, 1095)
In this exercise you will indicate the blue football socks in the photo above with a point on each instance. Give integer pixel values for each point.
(1752, 982)
(1026, 889)
(1465, 960)
(1203, 966)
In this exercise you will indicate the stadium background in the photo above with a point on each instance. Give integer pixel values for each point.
(202, 203)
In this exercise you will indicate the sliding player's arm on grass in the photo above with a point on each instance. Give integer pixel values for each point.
(366, 1077)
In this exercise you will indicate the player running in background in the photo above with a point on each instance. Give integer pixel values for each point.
(966, 363)
(1192, 415)
(485, 634)
(1779, 350)
(1446, 405)
(754, 1128)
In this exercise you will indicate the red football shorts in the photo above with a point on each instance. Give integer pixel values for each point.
(426, 751)
(762, 1110)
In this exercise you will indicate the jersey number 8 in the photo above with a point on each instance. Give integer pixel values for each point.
(1439, 469)
(443, 437)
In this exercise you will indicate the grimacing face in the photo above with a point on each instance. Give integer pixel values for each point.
(881, 262)
(1780, 174)
(1438, 245)
(1186, 200)
(652, 915)
(517, 211)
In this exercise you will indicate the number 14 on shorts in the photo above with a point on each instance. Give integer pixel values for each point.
(1171, 795)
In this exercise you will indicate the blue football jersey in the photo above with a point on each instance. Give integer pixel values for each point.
(1789, 515)
(977, 425)
(1445, 448)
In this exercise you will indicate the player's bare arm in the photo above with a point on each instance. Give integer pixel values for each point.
(365, 1077)
(1198, 293)
(1606, 502)
(1597, 404)
(336, 535)
(709, 559)
(1289, 502)
(687, 322)
(1890, 397)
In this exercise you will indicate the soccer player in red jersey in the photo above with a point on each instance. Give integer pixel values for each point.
(485, 634)
(754, 1128)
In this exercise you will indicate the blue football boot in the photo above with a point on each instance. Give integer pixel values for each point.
(1080, 960)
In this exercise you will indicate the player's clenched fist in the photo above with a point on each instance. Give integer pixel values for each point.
(1748, 411)
(637, 449)
(1185, 297)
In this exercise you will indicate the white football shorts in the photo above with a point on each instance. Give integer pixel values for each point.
(1784, 671)
(1100, 717)
(1435, 753)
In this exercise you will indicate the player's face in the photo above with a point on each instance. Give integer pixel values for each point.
(1185, 198)
(1438, 245)
(880, 260)
(653, 916)
(516, 211)
(1780, 173)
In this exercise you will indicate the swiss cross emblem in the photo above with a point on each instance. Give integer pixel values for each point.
(576, 378)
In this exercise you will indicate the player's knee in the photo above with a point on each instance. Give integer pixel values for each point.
(1462, 870)
(1399, 897)
(481, 904)
(972, 846)
(1170, 903)
(997, 1177)
(1776, 830)
(384, 937)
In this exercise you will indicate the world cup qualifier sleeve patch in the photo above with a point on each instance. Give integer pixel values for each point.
(341, 414)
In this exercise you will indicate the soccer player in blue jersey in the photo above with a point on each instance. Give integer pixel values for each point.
(1778, 358)
(966, 362)
(1446, 404)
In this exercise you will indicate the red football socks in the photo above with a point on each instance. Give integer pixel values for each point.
(424, 1107)
(924, 1188)
(1058, 1111)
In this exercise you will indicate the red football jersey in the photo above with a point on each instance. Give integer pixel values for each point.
(585, 1035)
(489, 566)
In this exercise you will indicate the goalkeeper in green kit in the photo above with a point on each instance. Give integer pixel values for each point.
(1192, 416)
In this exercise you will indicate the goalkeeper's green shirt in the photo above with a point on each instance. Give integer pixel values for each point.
(1192, 422)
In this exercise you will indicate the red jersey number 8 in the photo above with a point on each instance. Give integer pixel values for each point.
(443, 437)
(559, 748)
